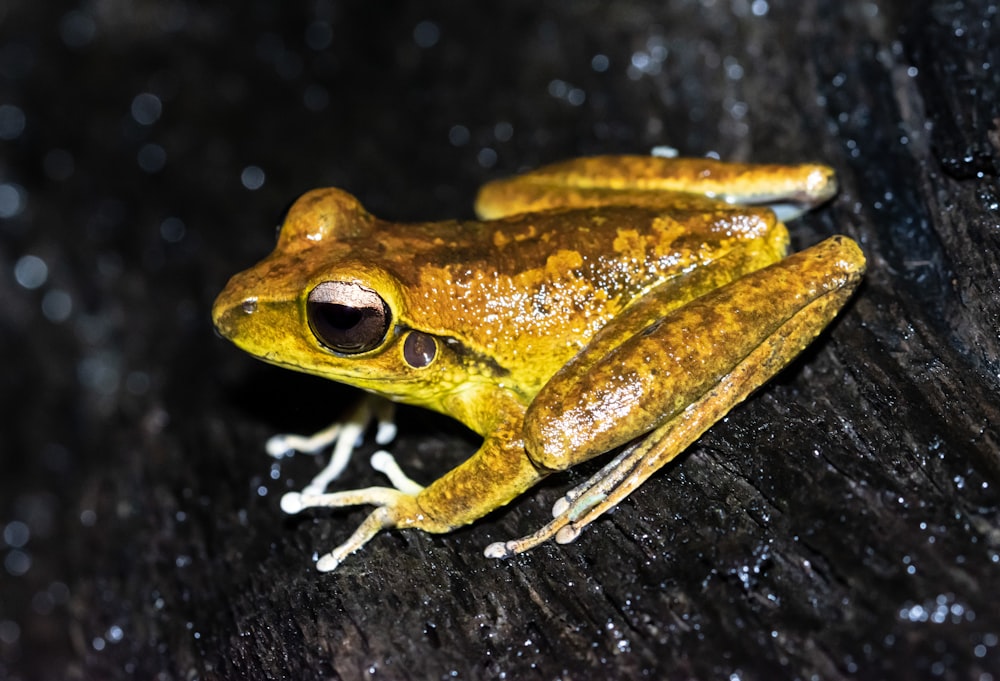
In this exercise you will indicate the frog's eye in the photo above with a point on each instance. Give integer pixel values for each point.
(347, 317)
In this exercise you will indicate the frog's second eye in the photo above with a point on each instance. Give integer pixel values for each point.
(347, 317)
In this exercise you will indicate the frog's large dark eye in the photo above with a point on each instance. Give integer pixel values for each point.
(347, 317)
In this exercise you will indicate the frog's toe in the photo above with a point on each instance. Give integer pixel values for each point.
(280, 446)
(576, 502)
(499, 550)
(379, 519)
(385, 463)
(291, 503)
(295, 502)
(564, 528)
(506, 549)
(568, 534)
(562, 503)
(578, 507)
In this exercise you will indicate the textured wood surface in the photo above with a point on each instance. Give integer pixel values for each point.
(843, 523)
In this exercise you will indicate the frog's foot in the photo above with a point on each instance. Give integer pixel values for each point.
(396, 506)
(583, 504)
(345, 434)
(395, 509)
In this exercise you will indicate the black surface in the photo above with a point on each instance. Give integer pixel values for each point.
(843, 523)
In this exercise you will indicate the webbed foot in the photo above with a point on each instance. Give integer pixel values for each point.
(583, 504)
(395, 508)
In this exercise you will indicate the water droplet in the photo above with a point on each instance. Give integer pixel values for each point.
(16, 534)
(487, 157)
(503, 131)
(319, 35)
(426, 34)
(77, 29)
(146, 108)
(152, 157)
(10, 632)
(11, 200)
(30, 271)
(57, 305)
(11, 122)
(252, 178)
(17, 563)
(172, 230)
(459, 135)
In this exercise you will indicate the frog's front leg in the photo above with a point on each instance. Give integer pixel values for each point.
(497, 473)
(676, 377)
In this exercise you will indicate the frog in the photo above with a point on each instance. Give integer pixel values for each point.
(615, 305)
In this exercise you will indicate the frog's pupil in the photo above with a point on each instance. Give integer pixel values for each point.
(347, 317)
(339, 317)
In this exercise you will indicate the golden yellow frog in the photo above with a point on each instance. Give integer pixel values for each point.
(598, 303)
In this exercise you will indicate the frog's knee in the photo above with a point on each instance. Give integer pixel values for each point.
(554, 448)
(548, 459)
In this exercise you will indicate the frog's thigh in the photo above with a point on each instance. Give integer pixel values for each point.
(652, 180)
(766, 317)
(676, 292)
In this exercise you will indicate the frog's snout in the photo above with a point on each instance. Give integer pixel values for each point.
(231, 307)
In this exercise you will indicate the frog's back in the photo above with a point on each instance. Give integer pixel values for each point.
(536, 287)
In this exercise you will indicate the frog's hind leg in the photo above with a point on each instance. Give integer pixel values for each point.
(628, 470)
(572, 506)
(654, 181)
(708, 356)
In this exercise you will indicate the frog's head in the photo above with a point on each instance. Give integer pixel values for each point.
(330, 302)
